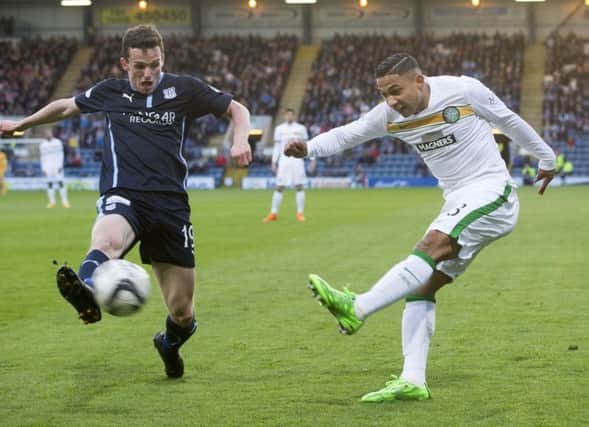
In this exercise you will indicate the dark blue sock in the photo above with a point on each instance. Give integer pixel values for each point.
(177, 335)
(92, 260)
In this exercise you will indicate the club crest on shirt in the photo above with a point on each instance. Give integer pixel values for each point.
(451, 114)
(170, 93)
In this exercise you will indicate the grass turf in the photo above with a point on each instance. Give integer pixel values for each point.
(266, 353)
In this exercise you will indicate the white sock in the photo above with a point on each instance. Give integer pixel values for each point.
(276, 201)
(63, 194)
(51, 195)
(401, 280)
(300, 201)
(419, 323)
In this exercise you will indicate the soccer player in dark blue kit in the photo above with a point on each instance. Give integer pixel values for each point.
(142, 180)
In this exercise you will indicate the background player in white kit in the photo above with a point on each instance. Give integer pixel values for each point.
(289, 171)
(52, 166)
(447, 120)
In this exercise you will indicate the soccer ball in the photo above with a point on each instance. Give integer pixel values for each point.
(120, 287)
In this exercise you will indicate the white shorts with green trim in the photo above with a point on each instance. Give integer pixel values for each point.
(476, 216)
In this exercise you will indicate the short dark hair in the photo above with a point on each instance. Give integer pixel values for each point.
(397, 63)
(141, 37)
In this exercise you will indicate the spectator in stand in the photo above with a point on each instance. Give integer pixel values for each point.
(566, 89)
(564, 167)
(29, 71)
(528, 174)
(3, 167)
(340, 87)
(220, 160)
(252, 68)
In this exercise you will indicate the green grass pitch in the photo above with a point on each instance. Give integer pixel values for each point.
(511, 345)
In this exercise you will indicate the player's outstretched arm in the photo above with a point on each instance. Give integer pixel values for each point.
(545, 176)
(52, 112)
(240, 150)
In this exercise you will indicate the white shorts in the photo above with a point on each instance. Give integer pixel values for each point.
(54, 174)
(475, 216)
(291, 172)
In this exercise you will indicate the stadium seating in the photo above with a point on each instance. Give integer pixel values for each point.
(29, 71)
(253, 69)
(341, 86)
(566, 89)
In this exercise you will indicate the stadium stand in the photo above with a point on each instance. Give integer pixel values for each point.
(566, 86)
(566, 102)
(252, 68)
(29, 71)
(341, 87)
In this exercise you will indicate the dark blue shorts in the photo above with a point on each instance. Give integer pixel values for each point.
(161, 222)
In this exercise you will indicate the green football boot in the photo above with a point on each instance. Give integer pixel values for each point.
(398, 389)
(340, 304)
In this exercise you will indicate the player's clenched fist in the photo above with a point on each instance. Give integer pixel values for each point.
(241, 154)
(296, 148)
(8, 128)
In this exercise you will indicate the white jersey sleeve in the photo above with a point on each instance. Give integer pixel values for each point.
(277, 145)
(304, 132)
(487, 105)
(370, 126)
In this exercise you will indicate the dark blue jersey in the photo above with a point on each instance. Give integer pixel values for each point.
(144, 134)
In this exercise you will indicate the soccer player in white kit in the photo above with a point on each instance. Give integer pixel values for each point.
(289, 171)
(448, 121)
(52, 166)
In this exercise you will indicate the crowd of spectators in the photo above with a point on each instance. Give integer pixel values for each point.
(341, 87)
(29, 71)
(566, 90)
(253, 69)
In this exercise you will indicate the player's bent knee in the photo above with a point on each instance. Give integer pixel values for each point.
(113, 247)
(436, 281)
(439, 246)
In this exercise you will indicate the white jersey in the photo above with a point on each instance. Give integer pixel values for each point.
(453, 134)
(291, 171)
(283, 134)
(51, 156)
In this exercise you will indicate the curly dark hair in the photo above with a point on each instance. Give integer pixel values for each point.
(141, 37)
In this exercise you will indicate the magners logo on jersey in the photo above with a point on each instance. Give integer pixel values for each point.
(438, 143)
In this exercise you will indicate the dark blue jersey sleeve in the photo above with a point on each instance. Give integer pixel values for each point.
(206, 99)
(94, 99)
